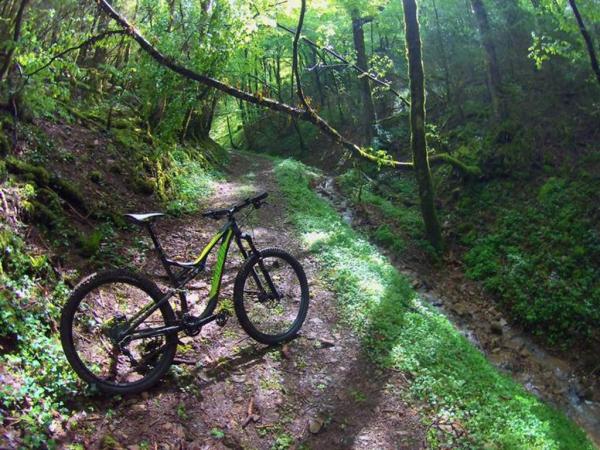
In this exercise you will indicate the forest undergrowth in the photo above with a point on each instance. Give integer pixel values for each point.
(399, 330)
(39, 264)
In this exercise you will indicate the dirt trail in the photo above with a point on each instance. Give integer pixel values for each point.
(227, 391)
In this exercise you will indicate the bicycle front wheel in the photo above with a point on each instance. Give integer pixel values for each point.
(99, 308)
(271, 296)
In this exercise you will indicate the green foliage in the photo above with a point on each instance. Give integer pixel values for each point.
(95, 176)
(187, 182)
(283, 442)
(540, 258)
(89, 244)
(217, 433)
(36, 377)
(400, 331)
(394, 197)
(3, 171)
(385, 236)
(181, 411)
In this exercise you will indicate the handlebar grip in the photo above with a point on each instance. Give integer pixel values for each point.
(219, 213)
(260, 197)
(215, 213)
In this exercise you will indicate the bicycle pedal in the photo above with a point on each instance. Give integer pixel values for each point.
(222, 319)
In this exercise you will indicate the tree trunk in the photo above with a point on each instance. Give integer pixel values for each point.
(587, 38)
(443, 54)
(417, 125)
(16, 36)
(295, 122)
(186, 124)
(491, 61)
(233, 146)
(314, 62)
(368, 116)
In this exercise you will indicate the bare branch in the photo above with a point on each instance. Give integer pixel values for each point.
(89, 41)
(345, 61)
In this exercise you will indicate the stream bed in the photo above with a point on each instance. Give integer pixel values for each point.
(553, 379)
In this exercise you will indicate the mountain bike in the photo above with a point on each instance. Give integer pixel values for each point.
(119, 331)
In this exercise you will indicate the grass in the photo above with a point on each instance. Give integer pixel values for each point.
(189, 180)
(399, 223)
(399, 330)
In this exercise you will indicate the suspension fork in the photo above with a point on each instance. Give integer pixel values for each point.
(239, 237)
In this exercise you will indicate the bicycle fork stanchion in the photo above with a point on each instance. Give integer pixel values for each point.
(246, 237)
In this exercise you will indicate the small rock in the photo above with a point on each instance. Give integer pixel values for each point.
(139, 407)
(238, 378)
(446, 428)
(461, 308)
(327, 343)
(315, 425)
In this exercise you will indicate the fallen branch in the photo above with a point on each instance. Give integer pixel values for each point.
(274, 105)
(251, 416)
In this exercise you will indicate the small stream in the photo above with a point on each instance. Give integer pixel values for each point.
(511, 350)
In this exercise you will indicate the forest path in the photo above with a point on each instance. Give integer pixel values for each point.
(226, 391)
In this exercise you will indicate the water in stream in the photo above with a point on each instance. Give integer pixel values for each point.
(550, 378)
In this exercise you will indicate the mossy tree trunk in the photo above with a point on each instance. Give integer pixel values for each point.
(417, 125)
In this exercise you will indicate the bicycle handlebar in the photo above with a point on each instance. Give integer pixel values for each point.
(217, 214)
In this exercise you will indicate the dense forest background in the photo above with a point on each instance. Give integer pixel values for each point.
(101, 116)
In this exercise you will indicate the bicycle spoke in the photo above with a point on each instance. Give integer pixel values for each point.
(273, 310)
(102, 315)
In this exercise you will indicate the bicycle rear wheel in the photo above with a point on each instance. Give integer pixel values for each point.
(98, 309)
(271, 296)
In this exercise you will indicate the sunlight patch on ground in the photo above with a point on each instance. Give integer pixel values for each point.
(316, 237)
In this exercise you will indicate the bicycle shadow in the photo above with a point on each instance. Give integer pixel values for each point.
(223, 369)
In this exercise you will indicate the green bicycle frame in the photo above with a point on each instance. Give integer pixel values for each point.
(188, 272)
